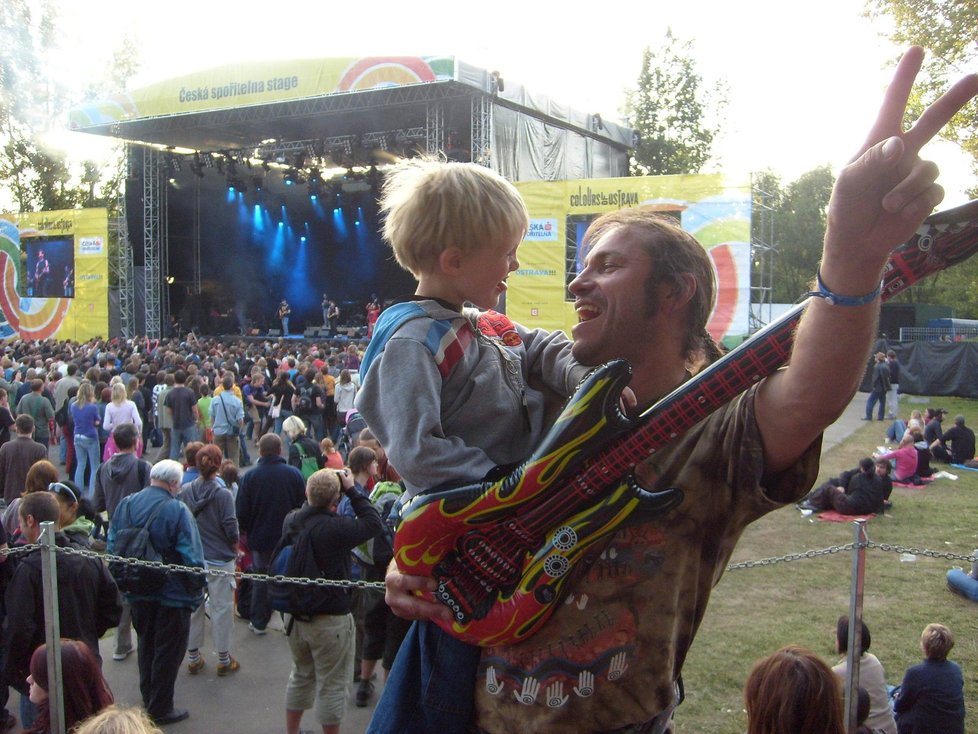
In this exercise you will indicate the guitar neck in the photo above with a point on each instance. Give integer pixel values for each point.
(936, 246)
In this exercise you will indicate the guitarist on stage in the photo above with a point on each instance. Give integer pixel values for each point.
(610, 658)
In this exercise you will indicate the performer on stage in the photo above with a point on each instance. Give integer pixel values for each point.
(283, 315)
(373, 313)
(332, 317)
(68, 285)
(325, 306)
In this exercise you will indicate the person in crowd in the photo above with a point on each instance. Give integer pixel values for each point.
(893, 394)
(190, 470)
(76, 514)
(301, 444)
(268, 492)
(345, 396)
(254, 393)
(385, 472)
(322, 645)
(308, 402)
(212, 506)
(227, 419)
(879, 387)
(229, 475)
(934, 435)
(39, 477)
(70, 380)
(281, 394)
(916, 421)
(164, 415)
(962, 440)
(88, 599)
(17, 457)
(122, 475)
(135, 393)
(861, 491)
(872, 678)
(204, 427)
(794, 691)
(120, 410)
(6, 418)
(930, 700)
(162, 620)
(333, 458)
(750, 456)
(116, 719)
(37, 405)
(906, 458)
(182, 403)
(84, 689)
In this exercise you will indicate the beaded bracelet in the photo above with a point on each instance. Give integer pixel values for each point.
(836, 300)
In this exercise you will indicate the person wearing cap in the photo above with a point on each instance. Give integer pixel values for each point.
(962, 441)
(880, 386)
(934, 435)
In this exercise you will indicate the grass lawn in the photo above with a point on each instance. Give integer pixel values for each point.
(755, 611)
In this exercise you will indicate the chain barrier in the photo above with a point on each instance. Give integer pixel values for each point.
(216, 572)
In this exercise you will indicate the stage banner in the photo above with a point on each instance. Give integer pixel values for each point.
(261, 82)
(713, 209)
(55, 275)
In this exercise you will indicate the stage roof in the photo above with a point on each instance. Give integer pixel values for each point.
(241, 106)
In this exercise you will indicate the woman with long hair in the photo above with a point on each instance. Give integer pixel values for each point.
(213, 507)
(87, 419)
(117, 719)
(121, 410)
(346, 392)
(281, 393)
(793, 691)
(84, 688)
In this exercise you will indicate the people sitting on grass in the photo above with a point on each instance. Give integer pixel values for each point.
(872, 678)
(931, 697)
(862, 491)
(906, 459)
(962, 439)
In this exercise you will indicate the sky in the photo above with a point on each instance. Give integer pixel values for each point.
(804, 79)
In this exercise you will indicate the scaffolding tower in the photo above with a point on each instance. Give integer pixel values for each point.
(762, 258)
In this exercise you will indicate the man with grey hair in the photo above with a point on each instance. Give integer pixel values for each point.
(162, 619)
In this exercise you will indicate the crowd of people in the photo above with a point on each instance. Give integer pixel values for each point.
(165, 445)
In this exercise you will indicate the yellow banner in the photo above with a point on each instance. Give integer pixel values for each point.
(55, 275)
(262, 82)
(716, 211)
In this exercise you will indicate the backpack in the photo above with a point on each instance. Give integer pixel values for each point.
(134, 541)
(308, 464)
(379, 550)
(62, 414)
(306, 400)
(294, 557)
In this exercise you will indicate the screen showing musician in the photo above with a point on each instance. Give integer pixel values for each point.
(47, 267)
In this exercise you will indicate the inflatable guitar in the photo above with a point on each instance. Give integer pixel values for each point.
(502, 550)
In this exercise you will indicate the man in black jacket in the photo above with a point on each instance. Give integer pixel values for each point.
(88, 599)
(322, 642)
(859, 491)
(266, 495)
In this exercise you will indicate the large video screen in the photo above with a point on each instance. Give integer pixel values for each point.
(47, 267)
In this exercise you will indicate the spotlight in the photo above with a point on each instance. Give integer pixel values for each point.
(197, 166)
(293, 176)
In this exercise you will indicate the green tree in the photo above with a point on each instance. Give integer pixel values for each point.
(675, 115)
(946, 28)
(34, 174)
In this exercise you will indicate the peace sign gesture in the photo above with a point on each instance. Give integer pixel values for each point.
(886, 191)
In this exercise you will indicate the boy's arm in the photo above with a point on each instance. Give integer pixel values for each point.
(549, 360)
(401, 402)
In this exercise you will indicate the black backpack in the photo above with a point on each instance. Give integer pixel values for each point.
(306, 400)
(134, 541)
(294, 557)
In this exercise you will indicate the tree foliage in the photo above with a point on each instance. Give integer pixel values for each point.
(35, 174)
(946, 28)
(796, 215)
(675, 115)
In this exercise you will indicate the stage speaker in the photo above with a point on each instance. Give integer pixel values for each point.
(275, 332)
(322, 334)
(310, 332)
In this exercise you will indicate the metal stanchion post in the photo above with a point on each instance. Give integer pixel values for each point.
(52, 626)
(855, 624)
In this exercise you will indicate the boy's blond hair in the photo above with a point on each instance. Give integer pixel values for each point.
(115, 719)
(431, 206)
(323, 488)
(936, 641)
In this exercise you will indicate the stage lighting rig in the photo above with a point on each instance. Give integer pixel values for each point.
(197, 166)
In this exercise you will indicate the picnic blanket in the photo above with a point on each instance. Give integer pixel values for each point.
(833, 516)
(925, 481)
(963, 467)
